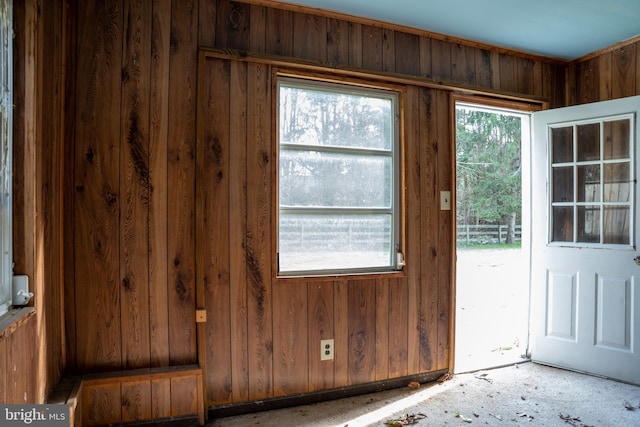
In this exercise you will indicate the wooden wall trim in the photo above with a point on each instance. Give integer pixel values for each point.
(608, 49)
(403, 28)
(389, 77)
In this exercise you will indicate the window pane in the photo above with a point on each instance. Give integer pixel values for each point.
(616, 139)
(589, 183)
(335, 242)
(617, 185)
(562, 144)
(563, 184)
(311, 178)
(589, 224)
(616, 225)
(562, 224)
(589, 142)
(321, 116)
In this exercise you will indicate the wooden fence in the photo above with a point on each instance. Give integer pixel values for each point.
(485, 233)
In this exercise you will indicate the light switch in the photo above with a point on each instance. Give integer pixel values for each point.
(445, 200)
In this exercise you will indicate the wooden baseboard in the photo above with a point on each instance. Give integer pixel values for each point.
(320, 396)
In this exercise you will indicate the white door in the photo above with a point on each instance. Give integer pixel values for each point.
(585, 291)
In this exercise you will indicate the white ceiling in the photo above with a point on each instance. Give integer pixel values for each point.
(564, 29)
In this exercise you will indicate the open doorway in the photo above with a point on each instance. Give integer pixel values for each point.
(492, 244)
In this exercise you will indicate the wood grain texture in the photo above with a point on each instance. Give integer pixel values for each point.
(337, 41)
(383, 319)
(3, 370)
(97, 197)
(158, 178)
(135, 185)
(101, 404)
(362, 331)
(136, 401)
(160, 398)
(290, 339)
(181, 178)
(237, 233)
(320, 321)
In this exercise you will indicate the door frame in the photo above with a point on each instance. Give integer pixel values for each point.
(498, 103)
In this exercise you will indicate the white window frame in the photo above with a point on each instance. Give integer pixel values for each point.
(396, 258)
(6, 153)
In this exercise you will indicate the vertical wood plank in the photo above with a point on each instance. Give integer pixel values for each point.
(508, 73)
(212, 254)
(337, 41)
(257, 29)
(355, 44)
(445, 224)
(232, 25)
(441, 60)
(258, 249)
(135, 185)
(290, 339)
(341, 332)
(279, 33)
(161, 398)
(362, 331)
(525, 76)
(372, 56)
(623, 72)
(158, 197)
(207, 18)
(483, 68)
(310, 37)
(136, 400)
(587, 75)
(320, 326)
(408, 55)
(428, 230)
(237, 230)
(463, 64)
(388, 50)
(405, 304)
(181, 178)
(22, 375)
(3, 370)
(97, 195)
(385, 326)
(184, 396)
(101, 404)
(604, 71)
(425, 57)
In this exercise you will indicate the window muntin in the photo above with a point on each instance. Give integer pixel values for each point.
(591, 175)
(6, 148)
(338, 178)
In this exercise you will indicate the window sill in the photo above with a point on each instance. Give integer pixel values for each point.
(13, 318)
(351, 277)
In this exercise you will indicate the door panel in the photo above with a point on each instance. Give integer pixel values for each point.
(585, 296)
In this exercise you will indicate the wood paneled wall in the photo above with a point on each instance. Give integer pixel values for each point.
(612, 74)
(165, 213)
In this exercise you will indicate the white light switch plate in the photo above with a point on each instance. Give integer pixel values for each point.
(445, 200)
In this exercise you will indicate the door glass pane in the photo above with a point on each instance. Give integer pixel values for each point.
(562, 144)
(617, 185)
(563, 184)
(589, 142)
(616, 139)
(589, 224)
(616, 225)
(562, 224)
(589, 183)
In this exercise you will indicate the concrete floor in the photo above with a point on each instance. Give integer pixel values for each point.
(526, 394)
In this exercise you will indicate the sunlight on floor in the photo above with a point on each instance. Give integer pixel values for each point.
(399, 406)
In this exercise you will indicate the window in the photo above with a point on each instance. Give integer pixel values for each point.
(591, 182)
(338, 184)
(6, 129)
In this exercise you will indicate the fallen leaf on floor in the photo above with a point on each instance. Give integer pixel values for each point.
(524, 415)
(483, 376)
(414, 384)
(406, 420)
(570, 420)
(445, 377)
(463, 418)
(629, 406)
(497, 417)
(507, 348)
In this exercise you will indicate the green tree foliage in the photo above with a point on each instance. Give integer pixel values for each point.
(489, 167)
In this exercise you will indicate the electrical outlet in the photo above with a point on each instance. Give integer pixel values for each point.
(326, 349)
